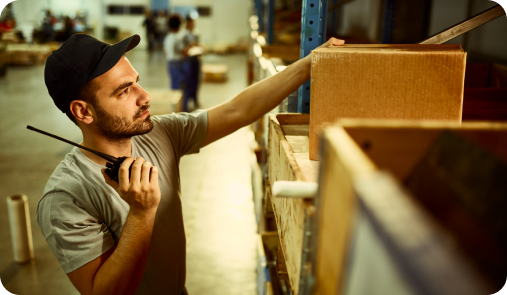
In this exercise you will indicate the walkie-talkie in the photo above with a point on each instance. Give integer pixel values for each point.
(113, 164)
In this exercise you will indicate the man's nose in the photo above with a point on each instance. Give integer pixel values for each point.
(144, 97)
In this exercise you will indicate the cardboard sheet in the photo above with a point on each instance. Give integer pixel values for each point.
(408, 82)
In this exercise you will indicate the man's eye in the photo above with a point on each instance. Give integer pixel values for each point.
(125, 91)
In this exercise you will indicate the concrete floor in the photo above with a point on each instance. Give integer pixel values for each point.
(216, 183)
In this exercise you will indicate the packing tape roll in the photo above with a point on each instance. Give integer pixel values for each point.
(21, 230)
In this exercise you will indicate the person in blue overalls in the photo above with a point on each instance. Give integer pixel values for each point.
(174, 50)
(192, 63)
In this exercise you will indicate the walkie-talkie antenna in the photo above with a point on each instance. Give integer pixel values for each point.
(102, 155)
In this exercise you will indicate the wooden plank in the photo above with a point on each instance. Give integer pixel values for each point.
(465, 26)
(267, 206)
(282, 164)
(342, 160)
(399, 150)
(299, 144)
(418, 246)
(309, 168)
(293, 119)
(289, 213)
(281, 268)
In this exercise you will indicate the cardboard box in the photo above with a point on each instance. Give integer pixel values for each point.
(215, 72)
(408, 82)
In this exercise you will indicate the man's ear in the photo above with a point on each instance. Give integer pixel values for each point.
(82, 111)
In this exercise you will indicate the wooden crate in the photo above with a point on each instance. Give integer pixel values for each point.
(288, 159)
(437, 217)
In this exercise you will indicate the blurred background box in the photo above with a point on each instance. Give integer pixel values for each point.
(215, 72)
(164, 101)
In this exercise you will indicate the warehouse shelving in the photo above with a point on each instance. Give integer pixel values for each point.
(283, 143)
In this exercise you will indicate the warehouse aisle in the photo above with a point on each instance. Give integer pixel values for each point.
(216, 189)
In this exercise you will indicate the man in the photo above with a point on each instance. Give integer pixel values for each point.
(174, 50)
(149, 23)
(127, 237)
(192, 64)
(160, 26)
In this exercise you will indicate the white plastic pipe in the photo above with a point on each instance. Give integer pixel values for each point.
(294, 189)
(21, 230)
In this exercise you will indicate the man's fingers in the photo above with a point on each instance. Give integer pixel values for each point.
(123, 174)
(135, 174)
(145, 173)
(337, 42)
(154, 176)
(108, 179)
(333, 42)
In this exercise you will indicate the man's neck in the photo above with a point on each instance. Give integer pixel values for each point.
(117, 149)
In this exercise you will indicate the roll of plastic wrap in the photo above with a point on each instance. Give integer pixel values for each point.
(21, 230)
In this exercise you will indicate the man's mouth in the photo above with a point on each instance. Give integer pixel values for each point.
(143, 111)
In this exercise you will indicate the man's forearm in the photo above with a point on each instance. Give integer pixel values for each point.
(255, 101)
(122, 272)
(259, 98)
(265, 95)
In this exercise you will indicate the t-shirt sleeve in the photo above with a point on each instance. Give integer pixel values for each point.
(187, 130)
(74, 236)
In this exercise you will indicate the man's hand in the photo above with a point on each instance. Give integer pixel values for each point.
(121, 268)
(331, 42)
(141, 191)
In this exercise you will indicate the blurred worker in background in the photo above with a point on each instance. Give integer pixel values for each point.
(149, 23)
(7, 24)
(192, 63)
(160, 26)
(47, 27)
(69, 28)
(175, 53)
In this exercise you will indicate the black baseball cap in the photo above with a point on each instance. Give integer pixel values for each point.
(81, 59)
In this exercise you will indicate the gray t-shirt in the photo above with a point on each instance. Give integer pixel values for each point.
(81, 217)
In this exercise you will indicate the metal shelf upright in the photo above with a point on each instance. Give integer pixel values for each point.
(313, 34)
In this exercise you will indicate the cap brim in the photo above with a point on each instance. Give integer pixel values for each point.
(113, 54)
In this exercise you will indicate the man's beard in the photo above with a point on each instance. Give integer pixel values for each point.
(118, 129)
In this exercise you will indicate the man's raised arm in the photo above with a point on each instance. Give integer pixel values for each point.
(259, 98)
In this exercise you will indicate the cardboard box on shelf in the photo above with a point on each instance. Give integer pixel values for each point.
(408, 82)
(215, 72)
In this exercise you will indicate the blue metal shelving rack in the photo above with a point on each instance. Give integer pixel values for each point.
(313, 34)
(259, 7)
(271, 20)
